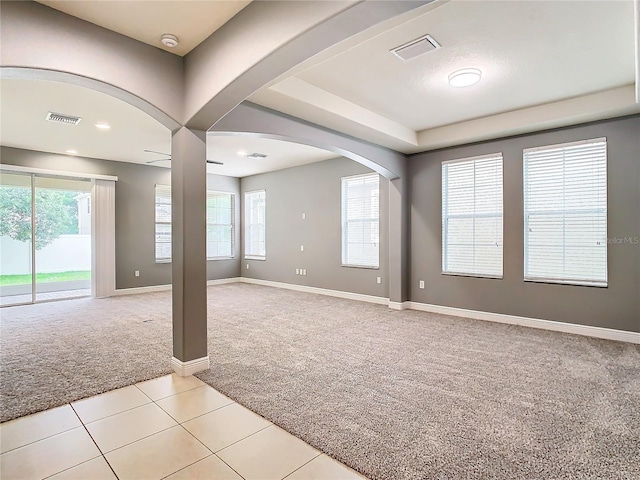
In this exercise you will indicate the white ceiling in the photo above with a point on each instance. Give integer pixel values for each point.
(531, 53)
(146, 20)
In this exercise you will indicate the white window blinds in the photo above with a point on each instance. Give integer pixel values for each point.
(361, 221)
(163, 223)
(565, 213)
(255, 221)
(220, 225)
(472, 216)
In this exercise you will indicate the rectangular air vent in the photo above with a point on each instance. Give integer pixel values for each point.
(60, 118)
(256, 155)
(416, 47)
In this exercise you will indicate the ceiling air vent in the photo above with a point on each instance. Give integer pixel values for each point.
(60, 118)
(256, 155)
(416, 47)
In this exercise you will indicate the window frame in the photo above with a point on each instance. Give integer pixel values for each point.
(156, 223)
(246, 225)
(345, 221)
(445, 216)
(564, 212)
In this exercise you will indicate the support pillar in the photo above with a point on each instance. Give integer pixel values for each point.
(399, 240)
(188, 251)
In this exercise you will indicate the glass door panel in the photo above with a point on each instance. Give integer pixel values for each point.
(16, 280)
(62, 238)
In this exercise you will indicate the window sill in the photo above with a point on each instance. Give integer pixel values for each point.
(254, 257)
(366, 267)
(213, 259)
(575, 283)
(472, 275)
(163, 261)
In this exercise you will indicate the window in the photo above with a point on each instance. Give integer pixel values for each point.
(565, 213)
(255, 220)
(361, 221)
(220, 223)
(163, 223)
(472, 216)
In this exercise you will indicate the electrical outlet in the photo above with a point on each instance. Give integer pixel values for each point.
(247, 266)
(302, 248)
(137, 273)
(304, 215)
(379, 280)
(421, 283)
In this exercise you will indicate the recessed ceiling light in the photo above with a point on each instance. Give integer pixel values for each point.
(103, 126)
(465, 77)
(72, 151)
(242, 153)
(169, 40)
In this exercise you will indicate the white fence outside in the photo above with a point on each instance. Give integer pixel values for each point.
(66, 253)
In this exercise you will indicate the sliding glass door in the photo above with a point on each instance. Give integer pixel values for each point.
(46, 238)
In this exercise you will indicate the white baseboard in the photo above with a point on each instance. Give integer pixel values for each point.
(223, 281)
(398, 305)
(136, 290)
(585, 330)
(320, 291)
(184, 369)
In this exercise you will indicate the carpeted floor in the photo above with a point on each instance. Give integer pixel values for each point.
(395, 395)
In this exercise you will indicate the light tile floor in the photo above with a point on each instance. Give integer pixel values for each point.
(171, 427)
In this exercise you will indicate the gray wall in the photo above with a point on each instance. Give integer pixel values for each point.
(617, 306)
(315, 190)
(135, 212)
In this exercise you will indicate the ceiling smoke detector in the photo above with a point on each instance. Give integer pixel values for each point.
(256, 155)
(169, 40)
(415, 48)
(60, 118)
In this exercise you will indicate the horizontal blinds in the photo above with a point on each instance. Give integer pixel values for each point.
(472, 215)
(163, 223)
(565, 209)
(361, 220)
(255, 224)
(220, 224)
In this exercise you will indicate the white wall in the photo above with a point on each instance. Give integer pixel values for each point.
(66, 253)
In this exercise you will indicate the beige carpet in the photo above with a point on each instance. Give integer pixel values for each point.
(396, 395)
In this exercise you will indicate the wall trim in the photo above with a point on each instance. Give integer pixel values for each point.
(584, 330)
(184, 369)
(136, 290)
(222, 281)
(399, 305)
(321, 291)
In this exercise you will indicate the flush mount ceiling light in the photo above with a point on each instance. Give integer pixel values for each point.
(169, 40)
(102, 126)
(465, 77)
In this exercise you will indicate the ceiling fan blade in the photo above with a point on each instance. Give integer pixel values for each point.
(214, 162)
(159, 160)
(158, 153)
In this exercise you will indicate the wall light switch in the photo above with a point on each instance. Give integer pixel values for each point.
(302, 248)
(297, 271)
(137, 273)
(379, 280)
(247, 266)
(304, 271)
(304, 215)
(421, 283)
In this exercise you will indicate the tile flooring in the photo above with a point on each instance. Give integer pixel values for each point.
(171, 427)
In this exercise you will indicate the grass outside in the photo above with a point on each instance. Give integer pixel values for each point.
(6, 280)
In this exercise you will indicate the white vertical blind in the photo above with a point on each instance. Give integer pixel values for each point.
(220, 225)
(163, 223)
(103, 238)
(565, 210)
(255, 220)
(472, 216)
(361, 221)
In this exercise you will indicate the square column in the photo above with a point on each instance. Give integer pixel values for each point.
(188, 251)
